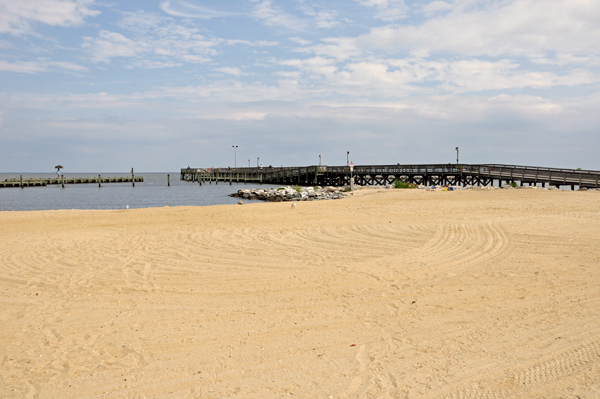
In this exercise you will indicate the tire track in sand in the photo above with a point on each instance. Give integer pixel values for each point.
(551, 373)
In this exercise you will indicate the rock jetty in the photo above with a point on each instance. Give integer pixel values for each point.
(291, 194)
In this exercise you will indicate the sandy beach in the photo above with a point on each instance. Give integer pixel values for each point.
(385, 294)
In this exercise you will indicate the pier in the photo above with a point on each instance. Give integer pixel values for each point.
(71, 180)
(381, 175)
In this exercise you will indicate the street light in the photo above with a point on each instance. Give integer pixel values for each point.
(248, 163)
(235, 152)
(319, 160)
(347, 155)
(457, 155)
(257, 159)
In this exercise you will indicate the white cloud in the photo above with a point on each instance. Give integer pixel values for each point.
(436, 6)
(39, 65)
(154, 42)
(300, 41)
(341, 48)
(271, 15)
(528, 28)
(16, 16)
(21, 67)
(230, 71)
(327, 20)
(259, 43)
(388, 10)
(109, 45)
(186, 10)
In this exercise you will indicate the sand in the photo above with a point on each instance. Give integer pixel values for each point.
(386, 294)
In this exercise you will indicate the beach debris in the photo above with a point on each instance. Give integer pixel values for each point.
(291, 193)
(127, 206)
(240, 202)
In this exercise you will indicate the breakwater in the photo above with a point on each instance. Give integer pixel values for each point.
(290, 194)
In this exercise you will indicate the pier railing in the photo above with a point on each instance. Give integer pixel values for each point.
(426, 174)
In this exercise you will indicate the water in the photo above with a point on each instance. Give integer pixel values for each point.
(153, 192)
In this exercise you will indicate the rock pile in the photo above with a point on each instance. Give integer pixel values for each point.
(291, 194)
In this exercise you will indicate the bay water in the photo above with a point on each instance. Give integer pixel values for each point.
(153, 192)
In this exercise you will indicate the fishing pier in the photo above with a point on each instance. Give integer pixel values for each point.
(381, 175)
(71, 180)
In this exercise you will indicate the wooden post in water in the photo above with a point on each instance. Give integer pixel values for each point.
(132, 178)
(99, 181)
(217, 178)
(169, 180)
(21, 184)
(62, 178)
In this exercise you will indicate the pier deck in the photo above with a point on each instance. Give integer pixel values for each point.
(70, 180)
(379, 175)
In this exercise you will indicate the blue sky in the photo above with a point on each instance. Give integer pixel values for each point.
(157, 85)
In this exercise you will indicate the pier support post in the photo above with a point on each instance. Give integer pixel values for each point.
(62, 179)
(132, 178)
(230, 179)
(169, 180)
(21, 184)
(99, 181)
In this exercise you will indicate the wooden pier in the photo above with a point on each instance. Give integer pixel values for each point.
(380, 175)
(71, 180)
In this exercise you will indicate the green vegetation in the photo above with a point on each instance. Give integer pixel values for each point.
(398, 183)
(513, 184)
(297, 188)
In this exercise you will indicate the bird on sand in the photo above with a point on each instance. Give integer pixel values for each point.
(294, 204)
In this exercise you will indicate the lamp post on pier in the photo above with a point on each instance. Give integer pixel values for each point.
(347, 155)
(457, 155)
(235, 147)
(257, 159)
(319, 160)
(248, 163)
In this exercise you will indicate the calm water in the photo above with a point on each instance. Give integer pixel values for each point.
(153, 192)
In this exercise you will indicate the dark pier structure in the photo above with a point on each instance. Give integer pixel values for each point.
(380, 175)
(71, 180)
